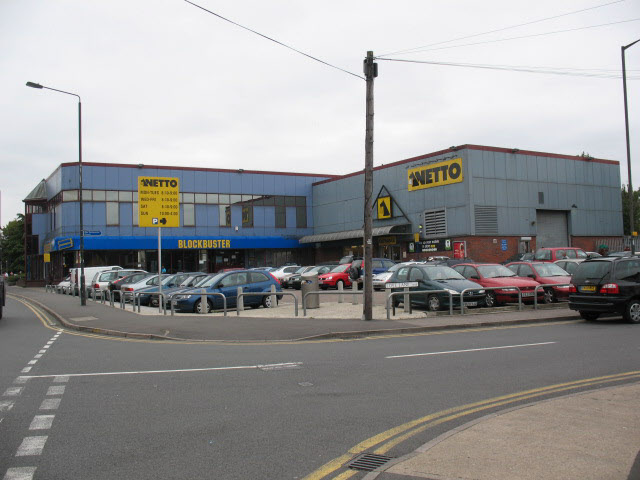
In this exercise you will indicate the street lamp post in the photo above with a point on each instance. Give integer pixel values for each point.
(626, 125)
(83, 293)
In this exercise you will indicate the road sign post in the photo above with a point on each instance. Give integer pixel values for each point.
(159, 206)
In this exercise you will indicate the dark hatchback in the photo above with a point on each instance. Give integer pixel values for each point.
(438, 277)
(607, 285)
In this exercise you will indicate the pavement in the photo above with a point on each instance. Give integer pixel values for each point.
(586, 435)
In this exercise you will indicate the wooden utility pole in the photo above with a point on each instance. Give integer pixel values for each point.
(370, 72)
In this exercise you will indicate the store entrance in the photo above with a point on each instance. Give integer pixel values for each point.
(223, 259)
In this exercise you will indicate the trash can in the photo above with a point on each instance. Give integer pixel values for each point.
(309, 283)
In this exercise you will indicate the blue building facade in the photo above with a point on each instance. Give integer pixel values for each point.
(228, 219)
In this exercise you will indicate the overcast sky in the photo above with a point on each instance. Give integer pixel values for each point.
(163, 82)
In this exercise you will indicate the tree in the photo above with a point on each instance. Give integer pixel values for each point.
(12, 245)
(625, 210)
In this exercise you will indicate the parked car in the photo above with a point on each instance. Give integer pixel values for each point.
(552, 254)
(89, 273)
(570, 265)
(285, 270)
(495, 275)
(519, 257)
(607, 285)
(285, 280)
(130, 289)
(338, 275)
(64, 286)
(378, 265)
(451, 262)
(102, 279)
(227, 284)
(437, 277)
(169, 283)
(114, 285)
(381, 279)
(192, 281)
(545, 273)
(295, 280)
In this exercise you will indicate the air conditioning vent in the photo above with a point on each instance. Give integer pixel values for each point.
(486, 220)
(435, 223)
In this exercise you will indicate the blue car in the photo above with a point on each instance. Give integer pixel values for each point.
(227, 283)
(169, 285)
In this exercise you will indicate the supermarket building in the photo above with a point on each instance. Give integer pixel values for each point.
(486, 203)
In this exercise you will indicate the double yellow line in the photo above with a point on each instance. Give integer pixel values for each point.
(383, 442)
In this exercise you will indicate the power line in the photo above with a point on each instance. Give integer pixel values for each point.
(411, 50)
(576, 72)
(275, 41)
(524, 36)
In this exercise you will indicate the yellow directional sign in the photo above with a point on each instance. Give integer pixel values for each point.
(384, 208)
(158, 202)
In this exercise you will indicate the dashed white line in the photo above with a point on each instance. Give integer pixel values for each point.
(39, 355)
(42, 351)
(56, 390)
(21, 380)
(61, 379)
(25, 370)
(32, 362)
(13, 391)
(50, 404)
(31, 446)
(6, 405)
(20, 473)
(470, 350)
(41, 422)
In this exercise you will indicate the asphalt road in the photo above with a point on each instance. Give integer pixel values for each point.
(145, 409)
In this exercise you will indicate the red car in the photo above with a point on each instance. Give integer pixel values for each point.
(551, 254)
(545, 273)
(339, 275)
(496, 275)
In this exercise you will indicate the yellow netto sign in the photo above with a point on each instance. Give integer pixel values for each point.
(158, 202)
(202, 244)
(435, 174)
(384, 208)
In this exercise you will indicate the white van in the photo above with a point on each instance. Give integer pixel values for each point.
(89, 273)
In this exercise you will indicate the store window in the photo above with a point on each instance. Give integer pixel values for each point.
(225, 215)
(189, 216)
(113, 213)
(247, 216)
(281, 217)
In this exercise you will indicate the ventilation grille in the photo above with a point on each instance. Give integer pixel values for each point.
(368, 462)
(435, 223)
(486, 220)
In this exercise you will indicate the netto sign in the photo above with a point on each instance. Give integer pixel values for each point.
(158, 202)
(435, 174)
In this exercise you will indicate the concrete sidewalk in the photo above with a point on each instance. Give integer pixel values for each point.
(591, 435)
(331, 320)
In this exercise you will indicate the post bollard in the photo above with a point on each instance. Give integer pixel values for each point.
(340, 289)
(354, 288)
(406, 301)
(240, 300)
(203, 302)
(273, 298)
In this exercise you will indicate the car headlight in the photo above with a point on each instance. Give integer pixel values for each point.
(181, 297)
(452, 292)
(510, 290)
(480, 291)
(329, 278)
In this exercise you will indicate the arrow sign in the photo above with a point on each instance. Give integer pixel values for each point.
(163, 221)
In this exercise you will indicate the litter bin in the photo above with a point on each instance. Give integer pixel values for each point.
(309, 283)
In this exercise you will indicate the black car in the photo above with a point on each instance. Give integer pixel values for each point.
(437, 277)
(3, 293)
(607, 285)
(295, 280)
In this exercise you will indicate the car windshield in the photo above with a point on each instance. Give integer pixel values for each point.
(543, 255)
(442, 272)
(211, 280)
(550, 270)
(495, 271)
(301, 269)
(341, 268)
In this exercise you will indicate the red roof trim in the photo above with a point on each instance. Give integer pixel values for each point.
(481, 148)
(221, 170)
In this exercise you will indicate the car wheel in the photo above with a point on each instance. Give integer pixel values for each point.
(632, 312)
(339, 283)
(490, 300)
(433, 303)
(549, 295)
(589, 316)
(197, 307)
(268, 303)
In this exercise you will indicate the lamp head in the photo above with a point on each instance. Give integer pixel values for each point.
(34, 85)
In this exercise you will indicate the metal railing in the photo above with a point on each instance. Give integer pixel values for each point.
(203, 301)
(390, 295)
(265, 294)
(162, 307)
(324, 292)
(508, 287)
(546, 286)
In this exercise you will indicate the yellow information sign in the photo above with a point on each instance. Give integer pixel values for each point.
(435, 174)
(384, 208)
(158, 202)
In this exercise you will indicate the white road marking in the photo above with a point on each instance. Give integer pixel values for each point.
(471, 350)
(13, 391)
(45, 347)
(50, 404)
(31, 446)
(21, 380)
(61, 378)
(56, 390)
(32, 362)
(20, 473)
(25, 370)
(273, 366)
(6, 405)
(41, 422)
(42, 351)
(39, 355)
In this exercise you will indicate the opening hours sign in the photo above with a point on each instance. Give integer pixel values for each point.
(158, 202)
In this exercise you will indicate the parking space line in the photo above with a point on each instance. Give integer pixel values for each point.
(41, 422)
(56, 390)
(471, 350)
(31, 446)
(20, 473)
(50, 404)
(12, 391)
